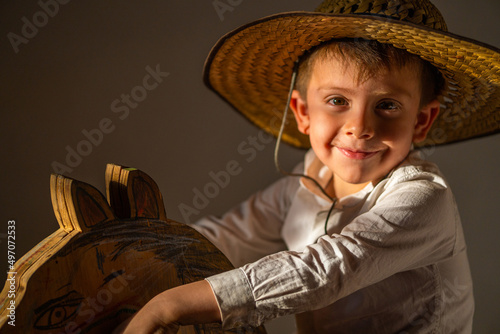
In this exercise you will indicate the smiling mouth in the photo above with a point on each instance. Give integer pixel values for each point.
(357, 155)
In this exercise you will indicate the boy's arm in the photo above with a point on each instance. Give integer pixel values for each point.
(192, 303)
(412, 226)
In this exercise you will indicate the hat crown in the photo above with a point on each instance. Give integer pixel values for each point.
(421, 12)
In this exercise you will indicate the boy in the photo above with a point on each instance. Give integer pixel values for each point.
(368, 240)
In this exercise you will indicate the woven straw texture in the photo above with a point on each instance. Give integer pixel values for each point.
(251, 67)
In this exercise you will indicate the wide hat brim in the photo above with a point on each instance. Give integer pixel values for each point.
(251, 69)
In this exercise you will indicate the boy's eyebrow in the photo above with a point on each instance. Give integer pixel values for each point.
(396, 91)
(328, 88)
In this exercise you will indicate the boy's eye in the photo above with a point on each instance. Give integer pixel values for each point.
(388, 105)
(338, 101)
(388, 108)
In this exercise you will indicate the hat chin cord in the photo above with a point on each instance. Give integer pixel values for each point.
(278, 142)
(280, 135)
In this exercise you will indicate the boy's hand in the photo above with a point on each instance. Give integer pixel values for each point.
(188, 304)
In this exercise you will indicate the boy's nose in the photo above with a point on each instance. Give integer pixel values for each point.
(360, 125)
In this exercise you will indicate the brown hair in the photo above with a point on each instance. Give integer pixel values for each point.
(371, 58)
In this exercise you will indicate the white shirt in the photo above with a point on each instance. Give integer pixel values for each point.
(394, 259)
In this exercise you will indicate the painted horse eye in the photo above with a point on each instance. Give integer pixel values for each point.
(57, 312)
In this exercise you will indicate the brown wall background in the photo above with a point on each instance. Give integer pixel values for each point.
(63, 79)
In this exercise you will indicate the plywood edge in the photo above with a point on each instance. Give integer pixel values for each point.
(26, 266)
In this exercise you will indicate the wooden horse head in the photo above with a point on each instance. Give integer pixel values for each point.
(106, 260)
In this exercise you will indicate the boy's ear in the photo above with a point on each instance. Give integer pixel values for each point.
(425, 119)
(299, 108)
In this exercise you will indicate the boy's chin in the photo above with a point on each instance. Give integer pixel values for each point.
(362, 178)
(356, 180)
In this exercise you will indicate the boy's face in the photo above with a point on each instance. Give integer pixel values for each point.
(362, 129)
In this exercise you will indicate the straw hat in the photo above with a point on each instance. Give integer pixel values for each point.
(251, 67)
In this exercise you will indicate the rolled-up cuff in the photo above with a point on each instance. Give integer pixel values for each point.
(235, 298)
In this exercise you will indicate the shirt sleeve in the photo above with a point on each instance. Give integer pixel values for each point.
(252, 229)
(412, 226)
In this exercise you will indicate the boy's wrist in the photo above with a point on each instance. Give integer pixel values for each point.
(188, 304)
(163, 309)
